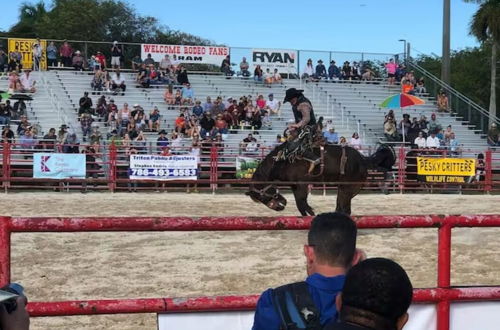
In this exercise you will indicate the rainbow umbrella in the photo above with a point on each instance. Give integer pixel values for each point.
(401, 100)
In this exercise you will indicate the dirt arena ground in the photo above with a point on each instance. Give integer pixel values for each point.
(131, 265)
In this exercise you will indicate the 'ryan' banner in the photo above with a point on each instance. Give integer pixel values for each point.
(186, 54)
(284, 60)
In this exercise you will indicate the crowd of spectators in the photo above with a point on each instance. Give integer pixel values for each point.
(346, 72)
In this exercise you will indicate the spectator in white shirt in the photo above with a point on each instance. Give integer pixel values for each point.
(117, 81)
(355, 141)
(420, 141)
(273, 106)
(308, 70)
(27, 82)
(433, 141)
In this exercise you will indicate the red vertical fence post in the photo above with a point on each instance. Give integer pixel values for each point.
(6, 165)
(4, 251)
(112, 167)
(213, 167)
(444, 275)
(401, 168)
(488, 175)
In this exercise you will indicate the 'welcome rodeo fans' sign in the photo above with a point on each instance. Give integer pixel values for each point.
(445, 170)
(186, 54)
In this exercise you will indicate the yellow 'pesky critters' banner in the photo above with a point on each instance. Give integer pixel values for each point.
(25, 47)
(445, 170)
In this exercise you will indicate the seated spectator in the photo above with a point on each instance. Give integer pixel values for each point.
(95, 138)
(258, 74)
(331, 136)
(178, 97)
(62, 134)
(180, 124)
(221, 125)
(86, 124)
(432, 141)
(7, 134)
(4, 60)
(111, 108)
(390, 131)
(272, 105)
(94, 64)
(249, 144)
(187, 93)
(124, 116)
(355, 71)
(143, 76)
(193, 127)
(256, 120)
(98, 81)
(78, 61)
(268, 77)
(277, 77)
(376, 295)
(493, 138)
(261, 103)
(343, 141)
(480, 169)
(101, 108)
(407, 88)
(244, 67)
(208, 105)
(18, 110)
(118, 82)
(399, 73)
(71, 144)
(442, 102)
(23, 125)
(169, 95)
(136, 62)
(218, 107)
(162, 140)
(420, 141)
(226, 66)
(49, 140)
(165, 63)
(154, 120)
(229, 117)
(355, 141)
(27, 82)
(346, 71)
(404, 126)
(434, 125)
(182, 76)
(320, 71)
(4, 114)
(27, 139)
(308, 70)
(85, 104)
(453, 145)
(420, 88)
(149, 61)
(447, 133)
(423, 124)
(368, 75)
(101, 59)
(333, 71)
(176, 144)
(15, 60)
(140, 142)
(14, 83)
(389, 115)
(197, 109)
(140, 120)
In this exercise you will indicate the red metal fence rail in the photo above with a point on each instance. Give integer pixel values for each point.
(442, 295)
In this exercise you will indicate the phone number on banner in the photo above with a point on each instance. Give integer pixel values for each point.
(162, 173)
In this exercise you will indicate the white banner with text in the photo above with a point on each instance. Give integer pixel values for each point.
(154, 167)
(186, 54)
(285, 60)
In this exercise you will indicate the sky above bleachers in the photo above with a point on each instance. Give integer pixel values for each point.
(340, 25)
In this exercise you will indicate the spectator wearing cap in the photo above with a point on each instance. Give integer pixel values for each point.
(66, 53)
(320, 71)
(331, 136)
(197, 109)
(116, 54)
(376, 295)
(154, 120)
(346, 71)
(333, 71)
(78, 61)
(136, 62)
(101, 59)
(221, 125)
(149, 61)
(162, 140)
(356, 71)
(432, 141)
(273, 105)
(187, 93)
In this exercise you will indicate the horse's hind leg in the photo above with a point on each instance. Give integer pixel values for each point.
(344, 196)
(300, 193)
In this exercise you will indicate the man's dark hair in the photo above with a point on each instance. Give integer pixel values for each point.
(333, 236)
(379, 286)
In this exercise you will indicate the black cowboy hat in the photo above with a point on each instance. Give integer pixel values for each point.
(162, 132)
(291, 93)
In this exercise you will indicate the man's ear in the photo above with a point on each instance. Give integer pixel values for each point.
(309, 253)
(400, 323)
(338, 301)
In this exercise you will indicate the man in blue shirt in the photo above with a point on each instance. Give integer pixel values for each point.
(187, 92)
(331, 136)
(329, 252)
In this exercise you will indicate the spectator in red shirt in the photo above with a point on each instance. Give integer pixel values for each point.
(221, 124)
(261, 103)
(101, 59)
(180, 124)
(230, 117)
(66, 53)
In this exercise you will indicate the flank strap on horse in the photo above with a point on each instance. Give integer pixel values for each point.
(343, 161)
(321, 161)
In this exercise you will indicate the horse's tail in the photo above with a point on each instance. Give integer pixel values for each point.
(384, 158)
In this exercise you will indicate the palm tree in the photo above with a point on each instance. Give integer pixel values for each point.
(485, 26)
(29, 16)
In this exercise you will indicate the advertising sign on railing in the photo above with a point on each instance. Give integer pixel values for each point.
(25, 48)
(445, 170)
(245, 167)
(285, 60)
(186, 54)
(58, 166)
(154, 167)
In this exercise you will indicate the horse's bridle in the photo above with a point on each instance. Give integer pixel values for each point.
(263, 192)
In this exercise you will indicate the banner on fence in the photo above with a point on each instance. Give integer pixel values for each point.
(186, 54)
(245, 167)
(58, 166)
(154, 167)
(25, 47)
(285, 60)
(445, 170)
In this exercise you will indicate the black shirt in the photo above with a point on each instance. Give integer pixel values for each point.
(4, 111)
(207, 123)
(116, 51)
